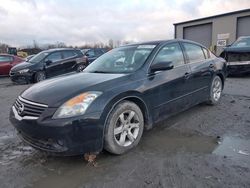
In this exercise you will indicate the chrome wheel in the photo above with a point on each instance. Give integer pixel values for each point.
(217, 89)
(127, 128)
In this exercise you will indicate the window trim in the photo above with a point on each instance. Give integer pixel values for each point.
(185, 52)
(74, 56)
(46, 58)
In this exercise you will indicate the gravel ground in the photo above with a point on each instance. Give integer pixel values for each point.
(205, 146)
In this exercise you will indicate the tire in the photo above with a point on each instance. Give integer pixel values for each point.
(80, 68)
(127, 119)
(215, 91)
(39, 76)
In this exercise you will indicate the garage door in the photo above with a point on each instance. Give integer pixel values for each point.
(199, 33)
(243, 26)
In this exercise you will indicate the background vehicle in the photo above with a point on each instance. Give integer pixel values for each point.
(12, 50)
(47, 64)
(93, 53)
(123, 92)
(7, 62)
(238, 56)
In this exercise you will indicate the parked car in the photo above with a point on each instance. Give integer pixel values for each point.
(48, 64)
(93, 53)
(7, 62)
(123, 92)
(238, 56)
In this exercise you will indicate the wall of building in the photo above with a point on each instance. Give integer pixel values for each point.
(220, 25)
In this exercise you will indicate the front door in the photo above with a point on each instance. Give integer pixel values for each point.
(168, 91)
(53, 64)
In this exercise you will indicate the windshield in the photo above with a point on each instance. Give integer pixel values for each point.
(121, 60)
(37, 58)
(242, 42)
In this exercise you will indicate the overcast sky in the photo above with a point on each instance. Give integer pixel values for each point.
(77, 22)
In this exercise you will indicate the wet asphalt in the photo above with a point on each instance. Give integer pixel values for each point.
(205, 146)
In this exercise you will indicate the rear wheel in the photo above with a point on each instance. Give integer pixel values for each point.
(215, 91)
(39, 76)
(80, 68)
(124, 128)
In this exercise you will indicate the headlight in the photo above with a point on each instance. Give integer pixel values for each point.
(23, 71)
(77, 105)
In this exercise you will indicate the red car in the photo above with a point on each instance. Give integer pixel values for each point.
(7, 62)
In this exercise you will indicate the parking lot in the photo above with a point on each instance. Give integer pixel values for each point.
(206, 146)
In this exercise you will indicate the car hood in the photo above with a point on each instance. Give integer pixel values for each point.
(237, 49)
(21, 66)
(54, 92)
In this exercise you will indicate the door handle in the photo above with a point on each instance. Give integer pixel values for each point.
(211, 66)
(186, 75)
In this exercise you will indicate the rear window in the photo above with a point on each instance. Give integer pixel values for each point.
(4, 58)
(194, 52)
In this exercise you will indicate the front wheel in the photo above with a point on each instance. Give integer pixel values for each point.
(215, 91)
(39, 76)
(124, 128)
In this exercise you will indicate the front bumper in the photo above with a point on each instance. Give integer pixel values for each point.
(21, 78)
(66, 137)
(235, 68)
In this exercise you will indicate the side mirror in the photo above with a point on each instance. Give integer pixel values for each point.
(161, 66)
(48, 62)
(87, 54)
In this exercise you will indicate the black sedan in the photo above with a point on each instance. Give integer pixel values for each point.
(123, 92)
(238, 56)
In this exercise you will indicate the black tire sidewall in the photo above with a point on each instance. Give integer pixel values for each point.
(110, 143)
(37, 74)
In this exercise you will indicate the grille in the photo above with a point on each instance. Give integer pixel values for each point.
(28, 108)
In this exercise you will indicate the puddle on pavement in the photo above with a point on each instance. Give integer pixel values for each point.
(155, 145)
(234, 148)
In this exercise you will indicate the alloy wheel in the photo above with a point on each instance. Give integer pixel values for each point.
(127, 128)
(217, 89)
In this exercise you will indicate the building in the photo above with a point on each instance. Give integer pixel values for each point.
(215, 32)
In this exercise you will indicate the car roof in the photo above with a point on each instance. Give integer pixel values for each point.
(59, 49)
(157, 42)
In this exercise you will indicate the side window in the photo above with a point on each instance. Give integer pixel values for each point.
(170, 52)
(68, 54)
(194, 52)
(54, 57)
(206, 52)
(5, 58)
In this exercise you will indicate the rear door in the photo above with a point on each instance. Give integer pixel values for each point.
(5, 64)
(55, 66)
(168, 89)
(69, 61)
(201, 67)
